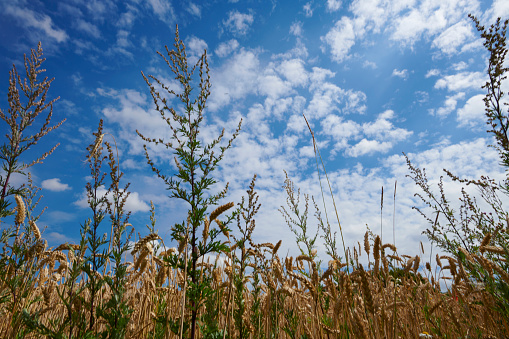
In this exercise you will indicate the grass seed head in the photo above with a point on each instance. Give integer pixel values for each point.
(220, 210)
(21, 210)
(367, 247)
(35, 230)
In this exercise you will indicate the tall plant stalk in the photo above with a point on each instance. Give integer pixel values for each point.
(195, 163)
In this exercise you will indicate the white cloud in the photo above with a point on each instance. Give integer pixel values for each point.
(369, 64)
(57, 238)
(273, 86)
(308, 10)
(333, 5)
(473, 113)
(236, 78)
(459, 66)
(133, 204)
(163, 9)
(340, 39)
(461, 81)
(296, 28)
(372, 15)
(123, 38)
(126, 19)
(383, 129)
(194, 9)
(99, 9)
(293, 70)
(326, 100)
(450, 104)
(122, 44)
(329, 98)
(195, 48)
(39, 21)
(54, 185)
(432, 73)
(411, 26)
(499, 8)
(377, 136)
(453, 37)
(365, 147)
(319, 75)
(88, 28)
(238, 23)
(226, 48)
(403, 74)
(134, 112)
(340, 130)
(432, 17)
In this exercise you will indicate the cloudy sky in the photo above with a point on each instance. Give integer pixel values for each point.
(374, 78)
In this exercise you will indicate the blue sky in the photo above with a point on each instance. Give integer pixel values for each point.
(374, 78)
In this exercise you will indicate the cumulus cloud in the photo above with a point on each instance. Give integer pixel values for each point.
(449, 105)
(236, 78)
(226, 48)
(333, 5)
(473, 113)
(461, 81)
(430, 18)
(293, 70)
(403, 74)
(459, 66)
(379, 135)
(238, 23)
(432, 73)
(383, 129)
(499, 8)
(340, 130)
(273, 86)
(133, 203)
(453, 37)
(365, 147)
(195, 48)
(340, 39)
(324, 101)
(54, 185)
(132, 111)
(369, 64)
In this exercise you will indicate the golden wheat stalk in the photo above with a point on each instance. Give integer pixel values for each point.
(220, 210)
(144, 241)
(21, 210)
(35, 230)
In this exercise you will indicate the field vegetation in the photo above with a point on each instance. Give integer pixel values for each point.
(217, 282)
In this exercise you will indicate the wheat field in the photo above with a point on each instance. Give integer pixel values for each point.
(261, 295)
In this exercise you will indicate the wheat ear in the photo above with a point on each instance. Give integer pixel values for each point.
(20, 217)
